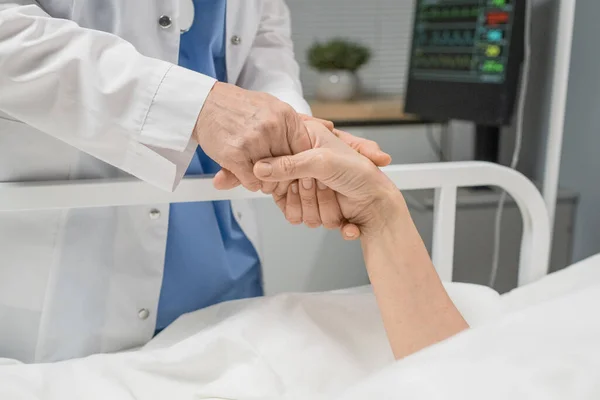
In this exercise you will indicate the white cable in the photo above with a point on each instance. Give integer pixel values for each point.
(436, 147)
(518, 141)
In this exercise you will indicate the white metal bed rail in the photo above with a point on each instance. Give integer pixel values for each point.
(445, 178)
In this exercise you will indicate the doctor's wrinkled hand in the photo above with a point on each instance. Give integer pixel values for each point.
(237, 127)
(367, 198)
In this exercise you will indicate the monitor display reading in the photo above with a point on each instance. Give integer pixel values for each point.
(465, 59)
(466, 41)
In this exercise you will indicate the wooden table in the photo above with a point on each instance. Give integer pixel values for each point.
(380, 110)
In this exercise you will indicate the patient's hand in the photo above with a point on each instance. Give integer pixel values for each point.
(415, 308)
(365, 195)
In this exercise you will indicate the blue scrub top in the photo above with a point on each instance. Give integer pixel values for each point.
(208, 259)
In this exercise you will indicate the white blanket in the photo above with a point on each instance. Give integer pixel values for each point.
(324, 346)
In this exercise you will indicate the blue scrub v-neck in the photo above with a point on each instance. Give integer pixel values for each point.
(208, 258)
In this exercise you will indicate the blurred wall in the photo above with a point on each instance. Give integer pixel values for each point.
(580, 164)
(581, 159)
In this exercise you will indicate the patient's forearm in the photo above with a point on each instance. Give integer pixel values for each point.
(415, 307)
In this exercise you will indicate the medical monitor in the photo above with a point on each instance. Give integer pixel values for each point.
(465, 60)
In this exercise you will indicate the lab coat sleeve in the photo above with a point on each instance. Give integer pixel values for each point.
(271, 66)
(96, 92)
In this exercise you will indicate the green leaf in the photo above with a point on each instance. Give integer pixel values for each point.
(338, 54)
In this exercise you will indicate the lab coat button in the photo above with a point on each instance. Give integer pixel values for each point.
(239, 215)
(154, 214)
(143, 314)
(235, 40)
(165, 21)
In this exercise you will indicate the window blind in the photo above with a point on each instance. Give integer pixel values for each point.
(385, 26)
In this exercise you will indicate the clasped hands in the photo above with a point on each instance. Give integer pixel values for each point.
(238, 128)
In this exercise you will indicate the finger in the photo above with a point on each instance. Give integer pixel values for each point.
(280, 199)
(297, 135)
(281, 189)
(350, 231)
(309, 163)
(293, 205)
(280, 194)
(247, 178)
(225, 180)
(329, 209)
(367, 148)
(268, 187)
(328, 124)
(310, 207)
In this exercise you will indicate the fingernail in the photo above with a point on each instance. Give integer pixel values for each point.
(321, 185)
(263, 169)
(307, 183)
(295, 188)
(350, 234)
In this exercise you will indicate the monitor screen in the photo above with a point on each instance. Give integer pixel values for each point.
(465, 59)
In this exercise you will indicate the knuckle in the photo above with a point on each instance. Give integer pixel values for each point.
(308, 201)
(287, 165)
(278, 198)
(268, 124)
(283, 109)
(288, 116)
(233, 155)
(248, 139)
(280, 191)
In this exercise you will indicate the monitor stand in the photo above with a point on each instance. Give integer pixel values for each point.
(487, 146)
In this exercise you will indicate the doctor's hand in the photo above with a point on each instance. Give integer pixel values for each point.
(366, 197)
(237, 127)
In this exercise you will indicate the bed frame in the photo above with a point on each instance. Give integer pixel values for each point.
(445, 178)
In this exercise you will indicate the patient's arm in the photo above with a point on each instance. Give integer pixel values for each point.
(414, 305)
(415, 308)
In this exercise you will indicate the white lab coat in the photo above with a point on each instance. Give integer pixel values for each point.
(88, 89)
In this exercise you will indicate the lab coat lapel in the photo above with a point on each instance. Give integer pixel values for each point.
(243, 18)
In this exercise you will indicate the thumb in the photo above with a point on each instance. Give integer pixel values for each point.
(328, 124)
(373, 152)
(367, 148)
(308, 164)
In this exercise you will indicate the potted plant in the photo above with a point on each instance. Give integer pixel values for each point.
(337, 62)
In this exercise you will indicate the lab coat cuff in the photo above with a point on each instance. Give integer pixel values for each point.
(174, 109)
(160, 167)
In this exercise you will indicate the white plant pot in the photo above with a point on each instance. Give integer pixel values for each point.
(337, 85)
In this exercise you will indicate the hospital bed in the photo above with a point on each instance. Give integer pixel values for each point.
(540, 341)
(333, 345)
(444, 178)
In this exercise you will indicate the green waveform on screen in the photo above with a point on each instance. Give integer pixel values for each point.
(443, 61)
(449, 13)
(448, 38)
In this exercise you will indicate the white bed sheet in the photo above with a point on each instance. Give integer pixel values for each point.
(549, 351)
(317, 346)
